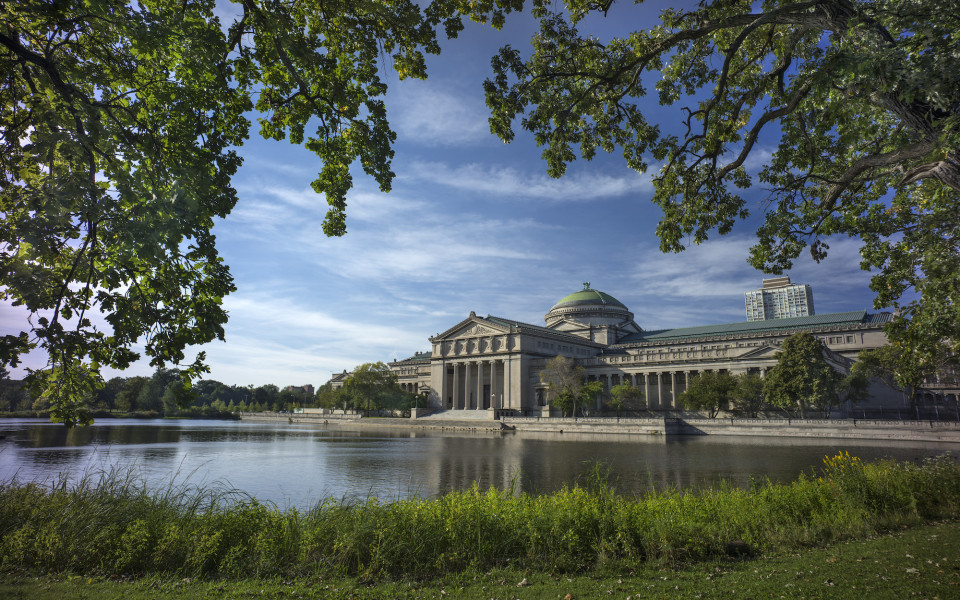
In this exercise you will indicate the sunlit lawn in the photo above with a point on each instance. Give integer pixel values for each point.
(917, 563)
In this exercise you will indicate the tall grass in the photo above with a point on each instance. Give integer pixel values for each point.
(115, 525)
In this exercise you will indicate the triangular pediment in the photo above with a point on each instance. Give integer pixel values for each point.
(472, 327)
(765, 351)
(567, 324)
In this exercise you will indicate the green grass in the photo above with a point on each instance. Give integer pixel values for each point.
(115, 526)
(922, 562)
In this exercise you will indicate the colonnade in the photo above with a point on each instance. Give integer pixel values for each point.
(413, 388)
(665, 386)
(477, 384)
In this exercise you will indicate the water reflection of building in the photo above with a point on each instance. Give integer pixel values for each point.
(493, 363)
(539, 461)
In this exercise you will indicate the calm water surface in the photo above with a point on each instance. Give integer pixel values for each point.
(297, 465)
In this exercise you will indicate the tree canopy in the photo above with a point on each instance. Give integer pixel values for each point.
(710, 391)
(119, 124)
(802, 377)
(566, 384)
(748, 395)
(863, 94)
(371, 386)
(887, 364)
(624, 396)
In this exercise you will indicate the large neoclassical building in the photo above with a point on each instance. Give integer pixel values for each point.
(493, 363)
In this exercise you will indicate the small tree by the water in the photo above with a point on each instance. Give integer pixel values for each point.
(709, 391)
(748, 395)
(802, 377)
(625, 397)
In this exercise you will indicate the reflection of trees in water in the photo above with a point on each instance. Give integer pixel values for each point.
(51, 435)
(270, 458)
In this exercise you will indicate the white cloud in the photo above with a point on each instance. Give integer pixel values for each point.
(705, 283)
(717, 267)
(281, 337)
(392, 238)
(429, 113)
(506, 182)
(431, 247)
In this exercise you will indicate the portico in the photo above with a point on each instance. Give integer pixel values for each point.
(477, 384)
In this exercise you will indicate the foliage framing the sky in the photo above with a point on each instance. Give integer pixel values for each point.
(118, 128)
(120, 122)
(864, 94)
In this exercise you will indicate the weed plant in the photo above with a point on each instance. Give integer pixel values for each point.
(114, 525)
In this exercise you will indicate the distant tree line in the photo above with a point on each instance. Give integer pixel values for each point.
(163, 394)
(370, 387)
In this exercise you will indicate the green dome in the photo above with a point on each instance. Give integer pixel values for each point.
(588, 296)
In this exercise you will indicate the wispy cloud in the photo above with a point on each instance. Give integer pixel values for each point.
(392, 237)
(507, 182)
(427, 112)
(280, 336)
(441, 248)
(706, 283)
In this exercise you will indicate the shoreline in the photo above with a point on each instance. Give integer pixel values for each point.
(668, 427)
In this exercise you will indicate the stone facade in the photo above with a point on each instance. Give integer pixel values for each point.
(493, 364)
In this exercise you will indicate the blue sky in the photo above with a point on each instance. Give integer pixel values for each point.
(471, 224)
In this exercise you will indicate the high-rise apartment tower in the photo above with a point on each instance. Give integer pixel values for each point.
(779, 299)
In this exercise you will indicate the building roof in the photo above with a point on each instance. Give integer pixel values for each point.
(418, 356)
(588, 296)
(541, 329)
(857, 317)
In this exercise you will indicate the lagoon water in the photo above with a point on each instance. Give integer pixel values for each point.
(299, 465)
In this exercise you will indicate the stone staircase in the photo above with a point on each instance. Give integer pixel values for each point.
(457, 415)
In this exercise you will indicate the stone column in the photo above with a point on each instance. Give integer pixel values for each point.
(507, 380)
(493, 385)
(479, 385)
(456, 386)
(659, 389)
(444, 387)
(673, 389)
(467, 388)
(646, 390)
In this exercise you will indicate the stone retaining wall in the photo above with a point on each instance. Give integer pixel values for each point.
(588, 425)
(931, 431)
(299, 417)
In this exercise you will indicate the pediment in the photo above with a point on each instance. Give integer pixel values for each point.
(765, 351)
(472, 327)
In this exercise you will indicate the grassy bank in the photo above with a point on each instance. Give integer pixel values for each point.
(116, 527)
(922, 562)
